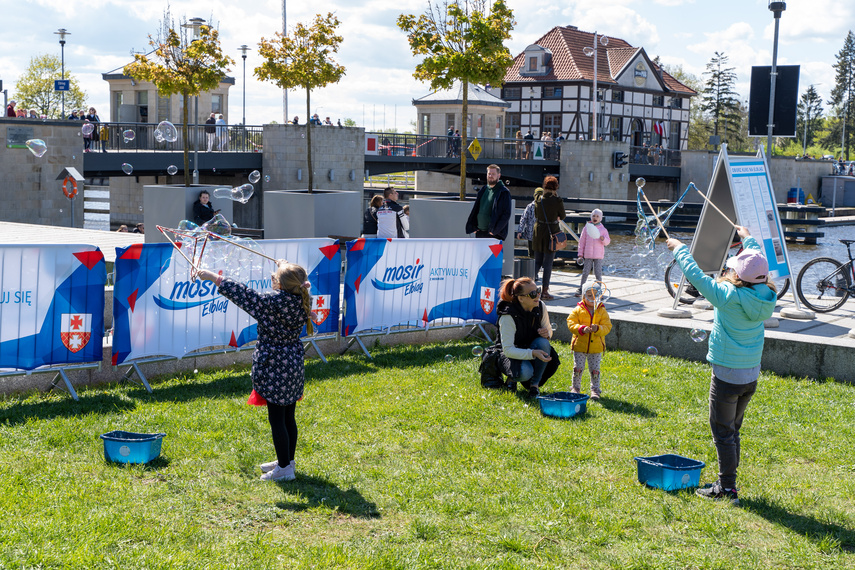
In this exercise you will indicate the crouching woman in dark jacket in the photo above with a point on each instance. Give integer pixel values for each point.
(524, 333)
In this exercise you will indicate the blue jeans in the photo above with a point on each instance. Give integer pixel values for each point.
(532, 370)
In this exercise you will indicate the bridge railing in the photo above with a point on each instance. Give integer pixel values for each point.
(226, 138)
(658, 157)
(441, 146)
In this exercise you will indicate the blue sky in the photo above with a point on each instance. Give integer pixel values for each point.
(379, 88)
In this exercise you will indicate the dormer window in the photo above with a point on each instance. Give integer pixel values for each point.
(538, 61)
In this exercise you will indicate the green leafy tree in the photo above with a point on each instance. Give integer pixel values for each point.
(34, 89)
(461, 41)
(719, 101)
(348, 122)
(808, 116)
(843, 95)
(303, 59)
(699, 126)
(182, 65)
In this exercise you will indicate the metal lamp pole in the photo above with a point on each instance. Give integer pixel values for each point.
(62, 32)
(592, 51)
(243, 49)
(195, 25)
(776, 8)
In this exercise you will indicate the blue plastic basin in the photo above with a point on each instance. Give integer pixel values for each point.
(563, 405)
(669, 472)
(129, 447)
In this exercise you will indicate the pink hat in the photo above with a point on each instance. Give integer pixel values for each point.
(750, 266)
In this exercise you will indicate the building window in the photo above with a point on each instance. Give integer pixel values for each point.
(617, 96)
(615, 128)
(511, 93)
(498, 126)
(216, 104)
(552, 92)
(449, 121)
(117, 98)
(532, 64)
(424, 124)
(677, 102)
(659, 100)
(551, 123)
(512, 125)
(163, 107)
(142, 106)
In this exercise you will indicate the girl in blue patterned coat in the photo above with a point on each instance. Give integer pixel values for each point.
(278, 370)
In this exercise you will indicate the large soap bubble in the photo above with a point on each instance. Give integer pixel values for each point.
(254, 176)
(187, 226)
(240, 194)
(127, 168)
(167, 131)
(699, 335)
(87, 129)
(129, 135)
(477, 351)
(37, 147)
(640, 182)
(172, 170)
(218, 225)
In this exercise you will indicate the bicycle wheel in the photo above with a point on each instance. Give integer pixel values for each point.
(823, 284)
(783, 285)
(673, 273)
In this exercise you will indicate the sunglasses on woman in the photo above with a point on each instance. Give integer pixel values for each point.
(532, 295)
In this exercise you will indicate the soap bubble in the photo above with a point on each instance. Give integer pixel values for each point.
(477, 351)
(267, 178)
(240, 194)
(553, 326)
(167, 131)
(87, 129)
(172, 170)
(73, 157)
(254, 176)
(195, 371)
(37, 147)
(699, 335)
(158, 136)
(652, 351)
(449, 358)
(187, 226)
(611, 268)
(644, 273)
(214, 169)
(636, 259)
(218, 225)
(60, 210)
(127, 168)
(129, 135)
(640, 182)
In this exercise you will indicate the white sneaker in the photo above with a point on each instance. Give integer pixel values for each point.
(279, 474)
(270, 466)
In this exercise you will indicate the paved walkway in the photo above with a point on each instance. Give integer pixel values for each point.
(11, 232)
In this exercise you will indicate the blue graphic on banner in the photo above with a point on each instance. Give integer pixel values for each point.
(72, 326)
(416, 282)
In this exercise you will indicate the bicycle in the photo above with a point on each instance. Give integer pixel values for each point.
(673, 274)
(824, 284)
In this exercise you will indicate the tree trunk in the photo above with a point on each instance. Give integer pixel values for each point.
(187, 176)
(309, 137)
(463, 140)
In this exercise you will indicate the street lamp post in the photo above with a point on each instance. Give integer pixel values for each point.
(62, 32)
(195, 24)
(243, 49)
(776, 8)
(592, 51)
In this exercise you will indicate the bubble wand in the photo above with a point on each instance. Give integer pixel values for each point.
(177, 246)
(640, 183)
(218, 236)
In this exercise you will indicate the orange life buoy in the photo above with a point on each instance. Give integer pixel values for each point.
(72, 192)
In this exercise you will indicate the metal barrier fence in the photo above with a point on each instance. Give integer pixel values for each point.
(227, 138)
(654, 156)
(433, 146)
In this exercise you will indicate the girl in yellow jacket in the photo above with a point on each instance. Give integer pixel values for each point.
(589, 325)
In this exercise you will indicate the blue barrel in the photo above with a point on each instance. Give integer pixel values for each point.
(795, 196)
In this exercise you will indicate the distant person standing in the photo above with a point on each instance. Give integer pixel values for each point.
(222, 133)
(10, 110)
(211, 131)
(518, 145)
(295, 120)
(528, 142)
(491, 211)
(449, 151)
(369, 218)
(93, 118)
(391, 220)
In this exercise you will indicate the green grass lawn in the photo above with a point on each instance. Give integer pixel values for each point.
(404, 462)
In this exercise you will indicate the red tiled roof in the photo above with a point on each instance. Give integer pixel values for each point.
(569, 62)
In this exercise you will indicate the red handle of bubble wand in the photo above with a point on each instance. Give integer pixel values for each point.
(218, 236)
(710, 202)
(655, 215)
(178, 248)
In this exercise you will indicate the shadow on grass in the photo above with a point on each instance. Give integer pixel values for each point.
(227, 387)
(92, 403)
(318, 492)
(626, 407)
(155, 464)
(807, 526)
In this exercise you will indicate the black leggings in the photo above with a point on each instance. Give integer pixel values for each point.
(283, 426)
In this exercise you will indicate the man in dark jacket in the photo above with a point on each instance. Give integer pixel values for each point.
(211, 130)
(491, 211)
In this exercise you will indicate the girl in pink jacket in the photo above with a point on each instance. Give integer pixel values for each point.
(592, 247)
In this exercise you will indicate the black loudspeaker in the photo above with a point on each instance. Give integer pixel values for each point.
(786, 101)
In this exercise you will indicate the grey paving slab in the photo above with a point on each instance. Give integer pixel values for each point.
(32, 234)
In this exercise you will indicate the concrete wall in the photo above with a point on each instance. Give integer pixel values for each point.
(29, 190)
(586, 169)
(339, 151)
(786, 173)
(437, 182)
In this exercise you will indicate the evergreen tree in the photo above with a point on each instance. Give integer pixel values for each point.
(808, 115)
(720, 102)
(34, 89)
(699, 126)
(843, 95)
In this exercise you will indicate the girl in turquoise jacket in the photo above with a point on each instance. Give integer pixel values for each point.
(743, 298)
